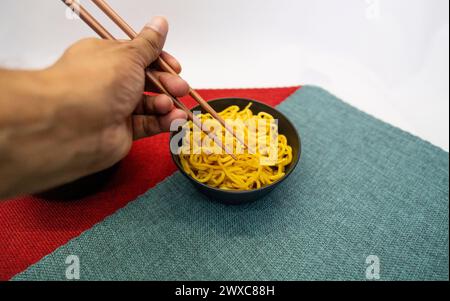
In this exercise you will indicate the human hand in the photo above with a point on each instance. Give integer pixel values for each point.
(105, 82)
(81, 115)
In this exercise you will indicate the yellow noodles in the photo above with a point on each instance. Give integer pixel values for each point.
(251, 170)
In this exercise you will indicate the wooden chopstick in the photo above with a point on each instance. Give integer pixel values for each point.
(105, 34)
(131, 33)
(190, 115)
(89, 19)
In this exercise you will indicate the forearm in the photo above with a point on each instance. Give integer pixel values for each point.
(34, 148)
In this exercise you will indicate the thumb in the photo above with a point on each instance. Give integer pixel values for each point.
(150, 42)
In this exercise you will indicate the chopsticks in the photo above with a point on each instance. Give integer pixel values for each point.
(103, 33)
(109, 11)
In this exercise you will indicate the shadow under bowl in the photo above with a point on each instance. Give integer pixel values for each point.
(285, 127)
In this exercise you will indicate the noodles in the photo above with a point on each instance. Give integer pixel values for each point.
(261, 165)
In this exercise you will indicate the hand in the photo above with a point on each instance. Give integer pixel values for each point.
(94, 109)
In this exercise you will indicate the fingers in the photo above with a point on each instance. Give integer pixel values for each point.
(174, 84)
(155, 115)
(155, 105)
(161, 105)
(173, 62)
(146, 126)
(150, 42)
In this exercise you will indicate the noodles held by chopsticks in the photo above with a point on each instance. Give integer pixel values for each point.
(253, 169)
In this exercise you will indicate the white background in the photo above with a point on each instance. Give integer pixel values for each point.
(389, 58)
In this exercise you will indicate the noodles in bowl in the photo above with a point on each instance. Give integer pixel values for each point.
(247, 172)
(254, 171)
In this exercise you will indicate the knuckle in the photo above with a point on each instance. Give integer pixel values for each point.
(146, 127)
(87, 40)
(151, 43)
(133, 52)
(131, 47)
(84, 45)
(90, 42)
(150, 128)
(154, 45)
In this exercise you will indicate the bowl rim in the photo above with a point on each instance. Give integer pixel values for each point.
(238, 192)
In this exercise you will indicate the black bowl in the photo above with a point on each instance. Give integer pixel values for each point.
(240, 197)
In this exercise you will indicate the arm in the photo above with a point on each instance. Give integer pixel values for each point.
(81, 115)
(32, 148)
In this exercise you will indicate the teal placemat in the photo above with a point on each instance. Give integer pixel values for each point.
(362, 188)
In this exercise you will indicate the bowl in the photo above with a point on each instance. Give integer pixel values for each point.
(285, 127)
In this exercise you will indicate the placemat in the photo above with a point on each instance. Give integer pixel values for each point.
(363, 188)
(34, 226)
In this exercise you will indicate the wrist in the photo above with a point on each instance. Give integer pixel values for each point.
(23, 112)
(37, 150)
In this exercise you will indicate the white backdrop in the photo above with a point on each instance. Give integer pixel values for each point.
(389, 58)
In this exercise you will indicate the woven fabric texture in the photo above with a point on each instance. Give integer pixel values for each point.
(362, 188)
